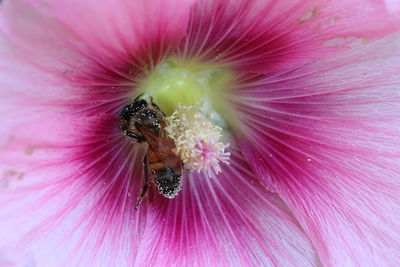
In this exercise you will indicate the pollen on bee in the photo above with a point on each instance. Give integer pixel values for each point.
(197, 139)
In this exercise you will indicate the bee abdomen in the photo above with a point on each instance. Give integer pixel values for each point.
(168, 182)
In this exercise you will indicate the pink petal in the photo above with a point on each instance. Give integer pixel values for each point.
(325, 137)
(71, 36)
(264, 36)
(227, 220)
(76, 206)
(75, 201)
(73, 179)
(125, 26)
(47, 66)
(75, 68)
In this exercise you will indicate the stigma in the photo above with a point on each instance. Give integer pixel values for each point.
(197, 139)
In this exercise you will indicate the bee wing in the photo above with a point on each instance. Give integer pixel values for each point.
(157, 143)
(162, 146)
(149, 135)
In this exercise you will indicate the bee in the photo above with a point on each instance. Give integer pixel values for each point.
(145, 122)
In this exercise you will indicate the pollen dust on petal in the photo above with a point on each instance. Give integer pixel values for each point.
(347, 41)
(29, 150)
(308, 15)
(8, 176)
(197, 140)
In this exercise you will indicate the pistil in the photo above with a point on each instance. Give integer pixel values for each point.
(197, 139)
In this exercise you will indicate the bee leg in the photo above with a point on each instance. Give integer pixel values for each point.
(146, 183)
(135, 136)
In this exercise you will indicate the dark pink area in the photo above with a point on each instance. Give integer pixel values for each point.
(324, 136)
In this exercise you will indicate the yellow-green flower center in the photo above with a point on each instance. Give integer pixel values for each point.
(176, 82)
(194, 97)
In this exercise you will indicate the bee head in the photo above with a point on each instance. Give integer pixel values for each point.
(132, 108)
(138, 105)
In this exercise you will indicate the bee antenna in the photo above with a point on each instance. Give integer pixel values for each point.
(139, 96)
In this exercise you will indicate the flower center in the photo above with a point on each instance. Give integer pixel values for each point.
(192, 96)
(197, 139)
(176, 82)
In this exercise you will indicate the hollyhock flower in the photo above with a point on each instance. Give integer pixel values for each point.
(306, 94)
